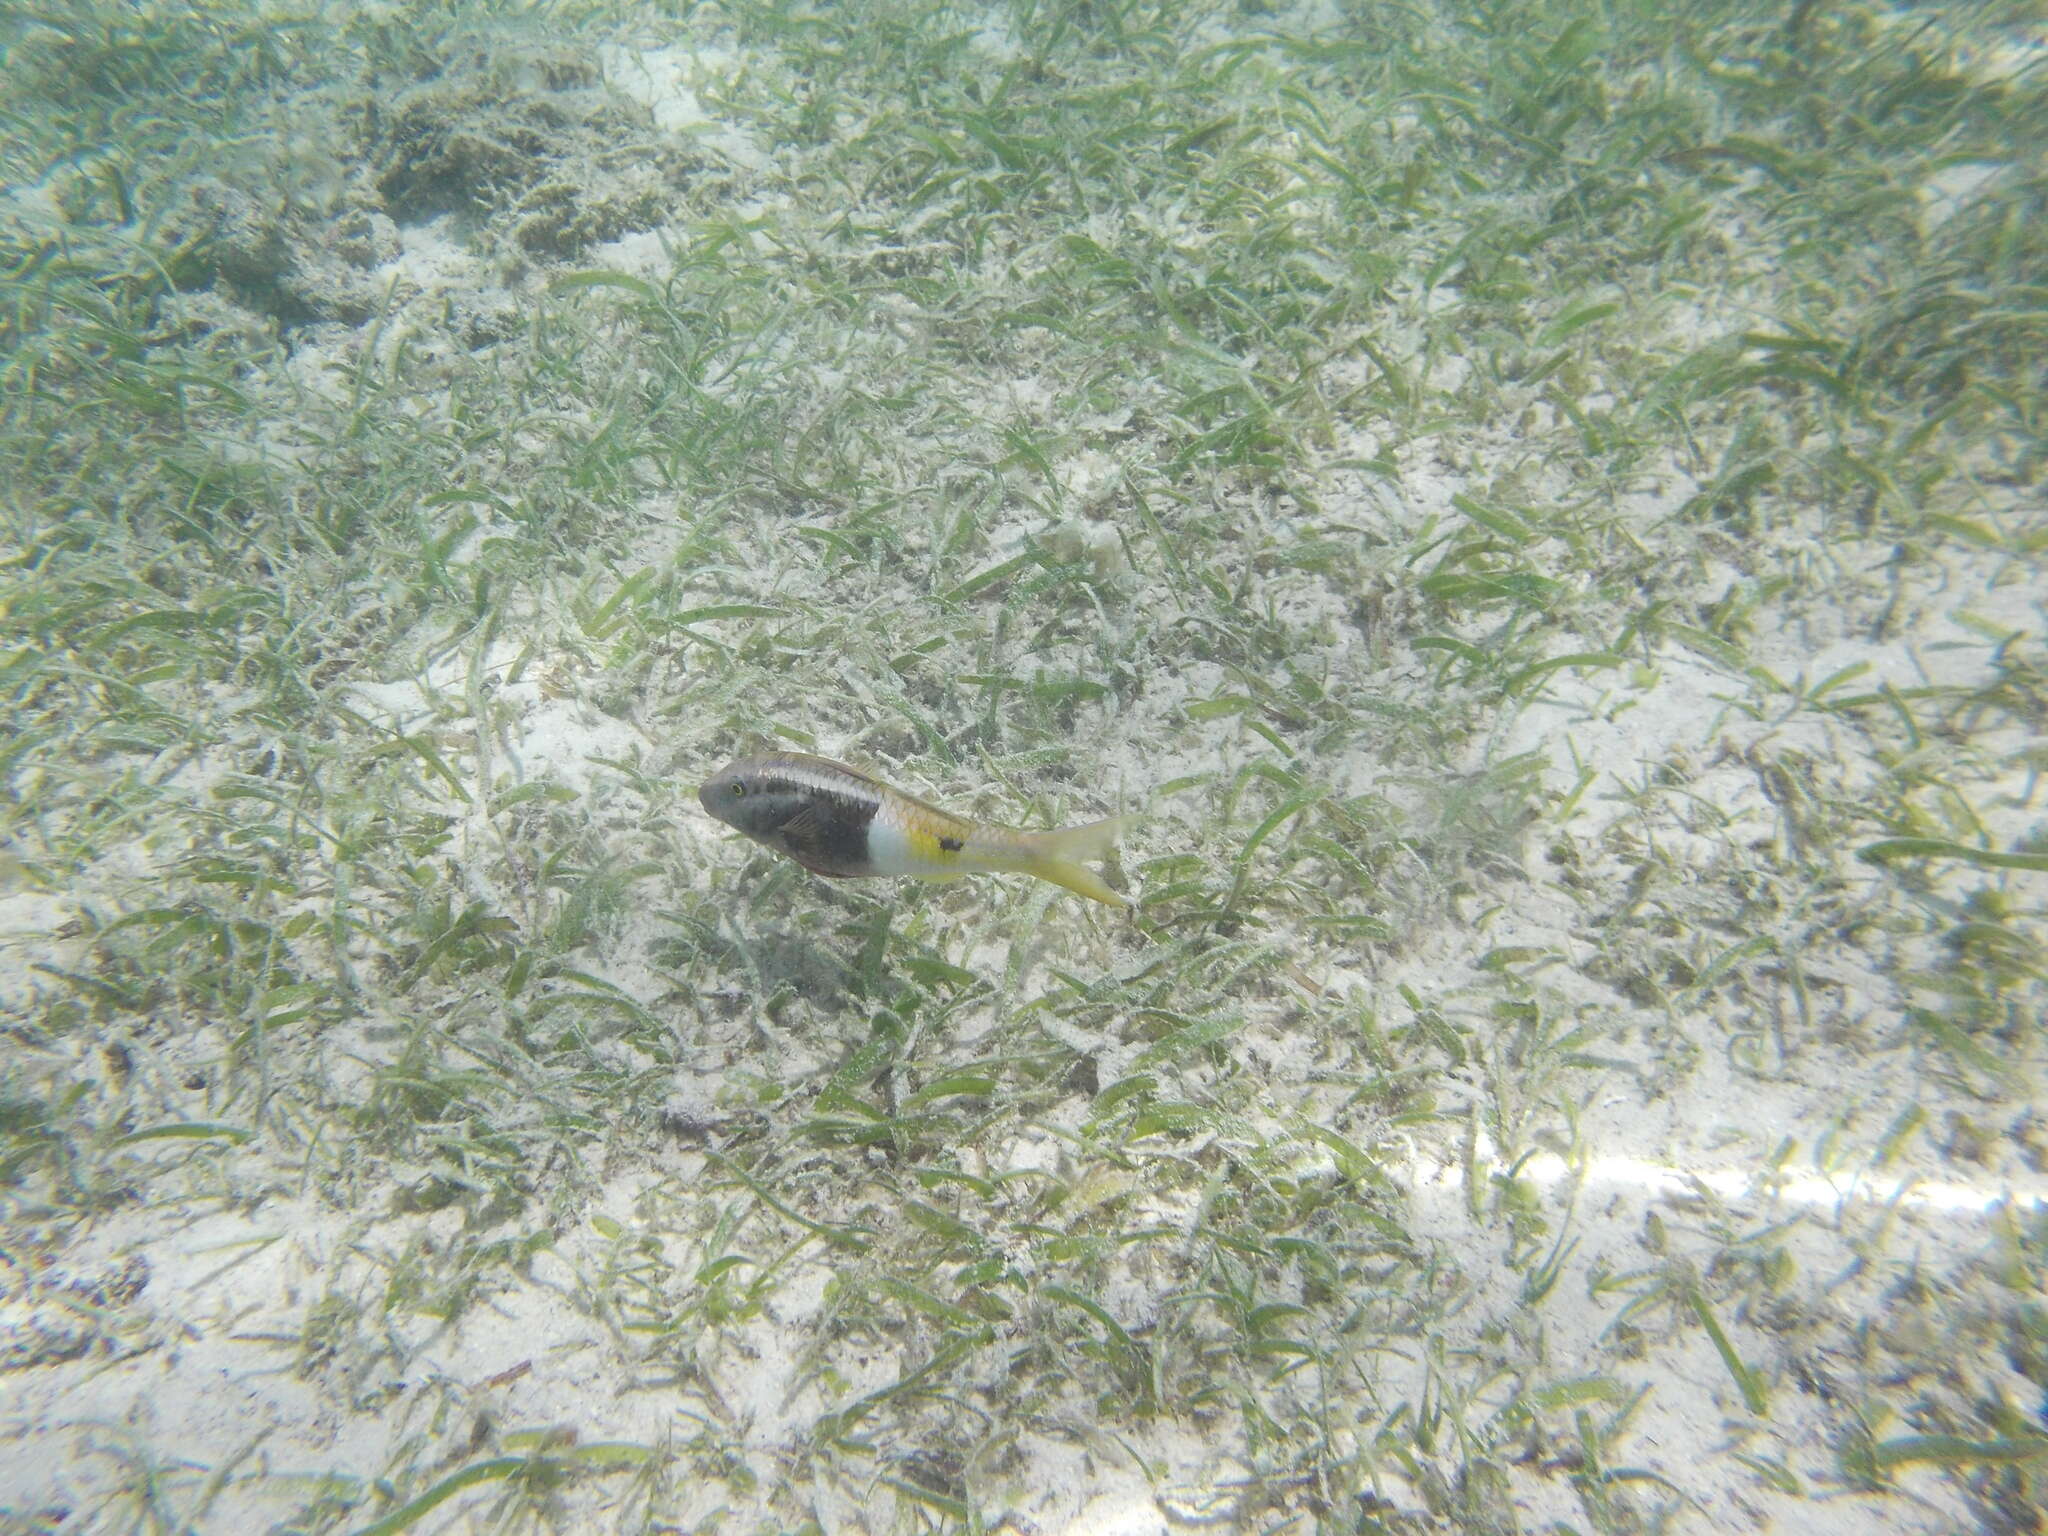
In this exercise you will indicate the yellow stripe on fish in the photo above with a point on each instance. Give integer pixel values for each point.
(836, 821)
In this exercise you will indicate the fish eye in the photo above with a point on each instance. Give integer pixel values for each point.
(739, 791)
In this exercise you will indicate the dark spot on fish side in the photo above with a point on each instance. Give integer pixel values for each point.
(951, 844)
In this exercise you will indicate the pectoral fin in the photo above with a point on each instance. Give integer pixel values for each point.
(816, 839)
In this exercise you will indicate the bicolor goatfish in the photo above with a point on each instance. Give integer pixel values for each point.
(836, 821)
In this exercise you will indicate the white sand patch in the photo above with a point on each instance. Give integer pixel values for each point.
(669, 82)
(1642, 1222)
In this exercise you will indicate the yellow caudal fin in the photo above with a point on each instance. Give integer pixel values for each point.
(1063, 856)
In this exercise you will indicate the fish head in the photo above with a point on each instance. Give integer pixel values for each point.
(749, 797)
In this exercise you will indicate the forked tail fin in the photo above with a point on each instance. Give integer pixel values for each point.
(1063, 857)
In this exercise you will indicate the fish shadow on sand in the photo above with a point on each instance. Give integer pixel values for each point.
(765, 964)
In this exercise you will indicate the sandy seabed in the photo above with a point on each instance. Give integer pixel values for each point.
(1771, 1199)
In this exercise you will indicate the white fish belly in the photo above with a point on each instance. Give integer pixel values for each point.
(892, 851)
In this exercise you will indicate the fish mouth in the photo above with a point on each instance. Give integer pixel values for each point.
(715, 795)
